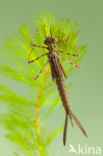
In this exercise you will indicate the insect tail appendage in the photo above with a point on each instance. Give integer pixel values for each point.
(79, 125)
(72, 116)
(65, 129)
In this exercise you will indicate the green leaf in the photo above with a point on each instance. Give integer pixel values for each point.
(55, 134)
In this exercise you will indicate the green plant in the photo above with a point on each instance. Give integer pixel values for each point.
(26, 99)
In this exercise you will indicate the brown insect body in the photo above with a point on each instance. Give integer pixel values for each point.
(57, 73)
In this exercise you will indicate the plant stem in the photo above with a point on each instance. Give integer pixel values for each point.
(37, 120)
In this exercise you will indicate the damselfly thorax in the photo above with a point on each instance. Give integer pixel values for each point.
(57, 73)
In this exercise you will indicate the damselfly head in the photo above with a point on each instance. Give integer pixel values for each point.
(49, 40)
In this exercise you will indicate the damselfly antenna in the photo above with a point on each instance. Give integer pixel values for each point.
(51, 32)
(44, 31)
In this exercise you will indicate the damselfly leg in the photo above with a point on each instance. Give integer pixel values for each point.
(35, 78)
(77, 55)
(38, 46)
(31, 43)
(64, 42)
(72, 63)
(30, 61)
(68, 39)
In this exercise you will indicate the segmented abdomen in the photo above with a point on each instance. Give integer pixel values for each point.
(58, 76)
(63, 93)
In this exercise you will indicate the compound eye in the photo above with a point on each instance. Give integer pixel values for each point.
(45, 42)
(54, 40)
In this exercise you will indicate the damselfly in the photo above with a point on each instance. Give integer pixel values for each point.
(57, 72)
